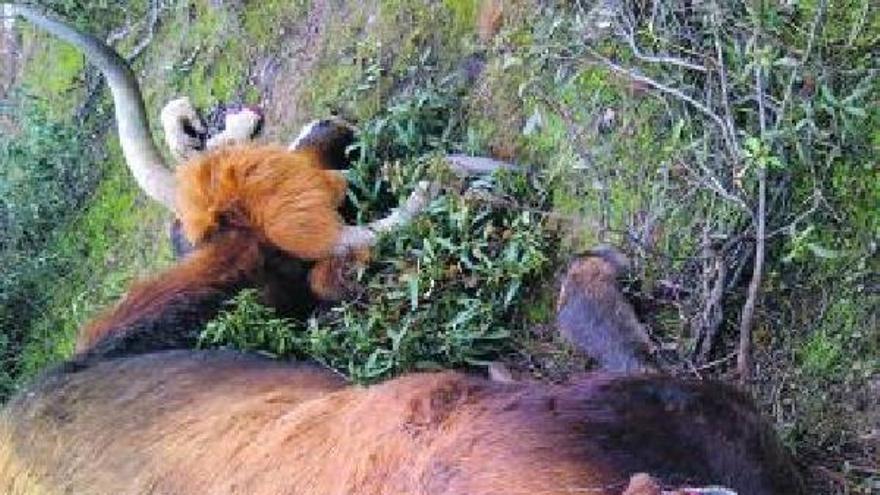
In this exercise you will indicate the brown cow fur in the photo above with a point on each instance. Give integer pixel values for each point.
(184, 422)
(168, 311)
(172, 306)
(194, 422)
(288, 196)
(258, 216)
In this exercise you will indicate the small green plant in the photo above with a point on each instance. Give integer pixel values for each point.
(94, 16)
(822, 355)
(248, 325)
(445, 291)
(46, 172)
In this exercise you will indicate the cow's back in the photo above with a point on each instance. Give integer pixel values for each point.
(188, 422)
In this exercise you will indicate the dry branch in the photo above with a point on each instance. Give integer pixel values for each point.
(628, 34)
(712, 310)
(744, 359)
(726, 133)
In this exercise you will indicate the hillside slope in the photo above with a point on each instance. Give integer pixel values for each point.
(660, 131)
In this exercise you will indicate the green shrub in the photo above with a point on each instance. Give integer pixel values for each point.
(94, 16)
(46, 173)
(445, 291)
(248, 325)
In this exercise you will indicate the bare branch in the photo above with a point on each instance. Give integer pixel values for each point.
(464, 166)
(744, 358)
(732, 149)
(725, 99)
(628, 34)
(415, 204)
(152, 22)
(364, 236)
(94, 84)
(726, 128)
(816, 199)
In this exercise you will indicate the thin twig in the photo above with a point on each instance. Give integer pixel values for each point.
(152, 22)
(743, 361)
(712, 313)
(717, 362)
(731, 146)
(94, 84)
(628, 34)
(119, 33)
(816, 199)
(859, 24)
(660, 87)
(708, 180)
(725, 102)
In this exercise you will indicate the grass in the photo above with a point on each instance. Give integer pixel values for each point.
(117, 237)
(368, 57)
(202, 56)
(53, 74)
(263, 22)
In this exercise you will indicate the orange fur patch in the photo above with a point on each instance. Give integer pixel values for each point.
(210, 268)
(286, 195)
(232, 202)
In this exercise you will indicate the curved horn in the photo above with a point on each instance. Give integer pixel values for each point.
(330, 137)
(363, 236)
(141, 154)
